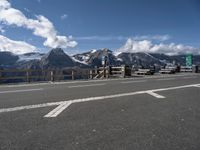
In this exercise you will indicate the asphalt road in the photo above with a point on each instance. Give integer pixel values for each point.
(148, 113)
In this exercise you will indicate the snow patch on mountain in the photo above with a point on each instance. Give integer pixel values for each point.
(76, 60)
(119, 59)
(93, 51)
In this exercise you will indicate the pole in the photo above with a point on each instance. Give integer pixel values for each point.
(72, 74)
(27, 76)
(0, 75)
(123, 71)
(96, 70)
(91, 75)
(52, 76)
(107, 72)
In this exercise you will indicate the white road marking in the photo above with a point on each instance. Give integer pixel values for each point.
(155, 94)
(167, 79)
(58, 110)
(3, 110)
(169, 76)
(197, 86)
(175, 88)
(88, 85)
(92, 81)
(189, 77)
(21, 91)
(62, 105)
(129, 82)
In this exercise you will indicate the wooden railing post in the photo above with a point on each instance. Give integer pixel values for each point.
(27, 76)
(43, 75)
(107, 72)
(123, 69)
(52, 76)
(72, 74)
(0, 75)
(104, 71)
(96, 70)
(91, 74)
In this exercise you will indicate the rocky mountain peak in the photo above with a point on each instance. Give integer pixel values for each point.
(57, 51)
(57, 58)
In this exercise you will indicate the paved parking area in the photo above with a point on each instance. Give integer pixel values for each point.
(143, 113)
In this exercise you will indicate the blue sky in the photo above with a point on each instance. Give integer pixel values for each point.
(109, 23)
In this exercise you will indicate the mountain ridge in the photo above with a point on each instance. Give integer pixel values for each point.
(58, 59)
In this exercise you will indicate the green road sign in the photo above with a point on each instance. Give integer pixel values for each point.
(189, 60)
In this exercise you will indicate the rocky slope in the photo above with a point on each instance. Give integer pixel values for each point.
(8, 59)
(94, 57)
(57, 59)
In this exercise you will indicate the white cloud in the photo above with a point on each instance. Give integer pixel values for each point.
(102, 38)
(2, 30)
(153, 37)
(121, 38)
(16, 47)
(64, 16)
(134, 46)
(40, 26)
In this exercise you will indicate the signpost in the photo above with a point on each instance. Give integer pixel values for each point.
(189, 60)
(103, 60)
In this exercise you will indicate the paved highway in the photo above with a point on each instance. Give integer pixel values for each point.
(148, 113)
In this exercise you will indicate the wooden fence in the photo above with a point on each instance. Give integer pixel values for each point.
(27, 75)
(9, 76)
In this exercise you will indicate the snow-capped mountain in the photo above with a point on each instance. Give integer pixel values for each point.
(139, 59)
(114, 59)
(94, 57)
(57, 59)
(129, 58)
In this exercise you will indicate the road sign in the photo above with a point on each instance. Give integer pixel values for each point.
(189, 60)
(104, 60)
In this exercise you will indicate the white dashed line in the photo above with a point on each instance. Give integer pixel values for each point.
(3, 110)
(88, 85)
(20, 91)
(58, 110)
(129, 82)
(154, 94)
(92, 81)
(167, 79)
(189, 77)
(197, 86)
